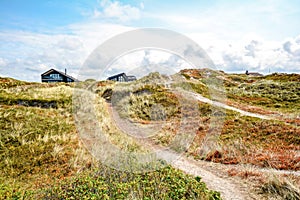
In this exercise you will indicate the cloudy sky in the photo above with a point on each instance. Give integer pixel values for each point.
(258, 35)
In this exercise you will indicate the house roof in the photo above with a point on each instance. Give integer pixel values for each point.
(255, 74)
(117, 75)
(62, 73)
(127, 78)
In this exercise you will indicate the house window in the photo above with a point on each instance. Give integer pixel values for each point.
(55, 76)
(121, 79)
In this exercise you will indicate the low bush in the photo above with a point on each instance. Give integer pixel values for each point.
(106, 183)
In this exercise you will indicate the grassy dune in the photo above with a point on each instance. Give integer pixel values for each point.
(241, 139)
(41, 156)
(270, 144)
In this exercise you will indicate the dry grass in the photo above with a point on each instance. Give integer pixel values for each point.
(259, 142)
(281, 188)
(146, 102)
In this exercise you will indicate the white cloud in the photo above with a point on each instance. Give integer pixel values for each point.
(28, 54)
(142, 62)
(292, 47)
(70, 43)
(32, 53)
(233, 38)
(118, 11)
(259, 55)
(93, 34)
(231, 20)
(251, 48)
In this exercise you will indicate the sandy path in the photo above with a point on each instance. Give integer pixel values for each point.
(222, 105)
(229, 189)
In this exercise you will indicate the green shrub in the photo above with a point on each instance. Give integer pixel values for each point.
(166, 183)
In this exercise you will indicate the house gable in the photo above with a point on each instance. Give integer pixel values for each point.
(253, 73)
(53, 75)
(122, 77)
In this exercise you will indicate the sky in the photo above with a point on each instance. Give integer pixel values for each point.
(257, 35)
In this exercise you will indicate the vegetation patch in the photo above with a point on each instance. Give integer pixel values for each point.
(106, 183)
(280, 189)
(191, 73)
(283, 96)
(10, 82)
(59, 96)
(36, 147)
(197, 87)
(148, 102)
(263, 143)
(283, 77)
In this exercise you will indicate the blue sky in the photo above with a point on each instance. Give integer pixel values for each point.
(258, 35)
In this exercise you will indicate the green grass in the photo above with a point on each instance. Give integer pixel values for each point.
(59, 96)
(283, 96)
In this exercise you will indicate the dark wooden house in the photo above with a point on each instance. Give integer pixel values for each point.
(122, 78)
(53, 75)
(253, 73)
